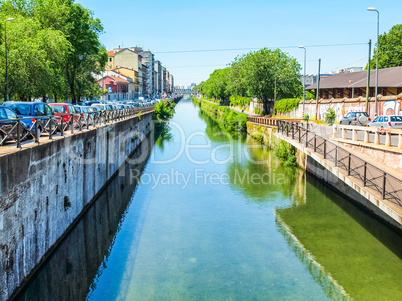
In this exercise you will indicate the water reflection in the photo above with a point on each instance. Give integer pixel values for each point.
(341, 254)
(287, 239)
(71, 272)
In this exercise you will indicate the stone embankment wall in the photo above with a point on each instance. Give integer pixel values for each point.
(44, 190)
(331, 176)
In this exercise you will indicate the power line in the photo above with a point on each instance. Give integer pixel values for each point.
(242, 49)
(196, 66)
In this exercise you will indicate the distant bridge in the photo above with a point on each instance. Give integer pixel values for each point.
(184, 91)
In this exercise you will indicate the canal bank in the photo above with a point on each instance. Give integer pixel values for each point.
(226, 233)
(46, 188)
(293, 152)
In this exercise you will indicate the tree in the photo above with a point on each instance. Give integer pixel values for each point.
(53, 45)
(390, 49)
(258, 71)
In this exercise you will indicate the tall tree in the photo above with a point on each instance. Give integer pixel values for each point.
(260, 69)
(390, 49)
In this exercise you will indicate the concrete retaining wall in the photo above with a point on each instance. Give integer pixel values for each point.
(45, 188)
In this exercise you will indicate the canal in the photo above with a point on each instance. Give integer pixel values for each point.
(203, 215)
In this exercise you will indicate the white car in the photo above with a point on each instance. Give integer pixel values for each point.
(384, 121)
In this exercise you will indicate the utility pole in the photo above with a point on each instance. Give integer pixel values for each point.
(274, 97)
(368, 80)
(318, 89)
(5, 41)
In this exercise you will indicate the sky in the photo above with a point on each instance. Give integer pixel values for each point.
(168, 27)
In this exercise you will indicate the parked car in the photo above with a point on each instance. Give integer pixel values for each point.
(31, 110)
(355, 118)
(8, 128)
(63, 110)
(384, 121)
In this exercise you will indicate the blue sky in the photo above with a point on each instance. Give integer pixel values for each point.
(163, 26)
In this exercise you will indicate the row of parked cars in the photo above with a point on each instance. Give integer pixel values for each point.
(36, 115)
(362, 119)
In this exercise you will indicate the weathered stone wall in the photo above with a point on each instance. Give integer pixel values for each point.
(44, 189)
(266, 135)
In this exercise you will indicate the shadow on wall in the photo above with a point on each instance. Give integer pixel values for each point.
(70, 270)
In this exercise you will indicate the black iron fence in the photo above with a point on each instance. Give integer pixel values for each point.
(366, 174)
(21, 129)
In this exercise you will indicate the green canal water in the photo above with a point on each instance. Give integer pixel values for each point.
(210, 217)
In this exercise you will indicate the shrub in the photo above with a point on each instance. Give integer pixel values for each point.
(330, 116)
(287, 104)
(285, 152)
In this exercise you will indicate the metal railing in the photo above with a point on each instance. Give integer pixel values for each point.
(366, 174)
(267, 120)
(21, 129)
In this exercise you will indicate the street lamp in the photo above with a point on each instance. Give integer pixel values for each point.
(378, 53)
(5, 41)
(304, 80)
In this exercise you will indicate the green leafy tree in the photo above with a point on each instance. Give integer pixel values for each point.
(53, 45)
(390, 49)
(259, 70)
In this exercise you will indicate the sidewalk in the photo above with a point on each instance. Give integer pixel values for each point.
(326, 131)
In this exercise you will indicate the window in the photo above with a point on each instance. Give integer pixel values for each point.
(380, 119)
(376, 119)
(37, 110)
(48, 110)
(58, 109)
(386, 119)
(10, 114)
(3, 114)
(396, 118)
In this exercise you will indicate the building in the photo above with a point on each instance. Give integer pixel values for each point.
(117, 87)
(158, 78)
(354, 84)
(126, 58)
(148, 61)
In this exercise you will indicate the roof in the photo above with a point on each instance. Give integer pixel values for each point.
(117, 79)
(387, 77)
(110, 53)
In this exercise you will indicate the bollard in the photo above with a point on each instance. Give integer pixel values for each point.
(376, 138)
(343, 131)
(354, 135)
(388, 139)
(366, 136)
(335, 131)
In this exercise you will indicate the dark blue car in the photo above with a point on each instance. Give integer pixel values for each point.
(8, 126)
(31, 110)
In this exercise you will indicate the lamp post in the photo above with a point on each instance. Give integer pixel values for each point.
(5, 41)
(378, 53)
(304, 80)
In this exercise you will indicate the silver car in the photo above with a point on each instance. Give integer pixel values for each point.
(384, 121)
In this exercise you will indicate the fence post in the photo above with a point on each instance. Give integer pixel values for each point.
(50, 128)
(336, 155)
(315, 143)
(349, 157)
(364, 174)
(18, 134)
(36, 131)
(299, 133)
(72, 123)
(62, 126)
(293, 131)
(306, 138)
(383, 185)
(325, 148)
